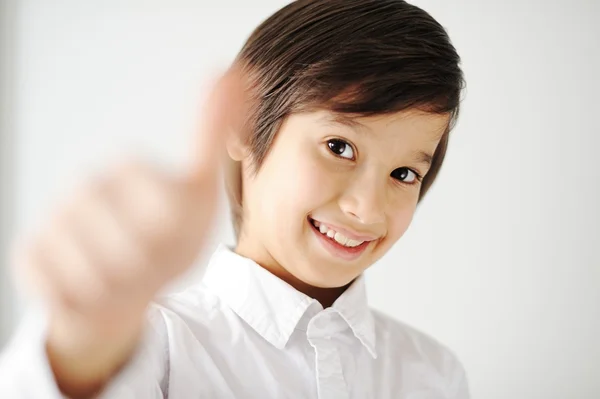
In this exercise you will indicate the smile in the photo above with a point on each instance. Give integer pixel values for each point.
(337, 243)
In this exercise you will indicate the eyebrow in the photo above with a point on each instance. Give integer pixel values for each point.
(423, 157)
(338, 119)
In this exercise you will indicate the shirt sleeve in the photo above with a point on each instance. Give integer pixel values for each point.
(25, 371)
(458, 384)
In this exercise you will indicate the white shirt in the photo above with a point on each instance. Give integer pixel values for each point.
(244, 333)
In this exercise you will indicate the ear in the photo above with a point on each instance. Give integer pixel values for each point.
(237, 149)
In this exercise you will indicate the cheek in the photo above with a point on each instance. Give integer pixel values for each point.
(310, 180)
(399, 221)
(316, 186)
(295, 185)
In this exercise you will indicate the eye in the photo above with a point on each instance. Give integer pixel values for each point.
(405, 175)
(341, 148)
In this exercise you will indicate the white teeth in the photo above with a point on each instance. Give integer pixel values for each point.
(338, 237)
(353, 243)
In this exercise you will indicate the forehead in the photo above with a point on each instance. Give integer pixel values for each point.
(409, 124)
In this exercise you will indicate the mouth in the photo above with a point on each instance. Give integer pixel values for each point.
(337, 243)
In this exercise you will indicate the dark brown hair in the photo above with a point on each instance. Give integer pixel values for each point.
(357, 57)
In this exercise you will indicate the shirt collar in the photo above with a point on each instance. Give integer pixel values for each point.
(352, 305)
(272, 307)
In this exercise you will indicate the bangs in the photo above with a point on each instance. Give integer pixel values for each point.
(367, 83)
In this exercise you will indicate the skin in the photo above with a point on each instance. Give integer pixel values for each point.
(366, 190)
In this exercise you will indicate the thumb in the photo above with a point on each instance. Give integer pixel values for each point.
(222, 113)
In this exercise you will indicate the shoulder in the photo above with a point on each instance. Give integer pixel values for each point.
(398, 342)
(195, 302)
(194, 315)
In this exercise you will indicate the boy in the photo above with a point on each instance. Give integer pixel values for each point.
(335, 119)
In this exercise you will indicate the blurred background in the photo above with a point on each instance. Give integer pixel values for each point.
(501, 263)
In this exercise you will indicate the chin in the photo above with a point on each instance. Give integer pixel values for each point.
(327, 275)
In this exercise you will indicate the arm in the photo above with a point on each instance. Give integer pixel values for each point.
(25, 370)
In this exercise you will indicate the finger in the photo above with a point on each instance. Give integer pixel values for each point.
(222, 114)
(32, 276)
(74, 271)
(108, 238)
(146, 202)
(169, 221)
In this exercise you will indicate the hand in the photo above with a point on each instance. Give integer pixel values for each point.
(102, 258)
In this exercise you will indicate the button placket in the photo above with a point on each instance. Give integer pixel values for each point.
(330, 379)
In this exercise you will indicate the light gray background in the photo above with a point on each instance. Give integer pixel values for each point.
(501, 262)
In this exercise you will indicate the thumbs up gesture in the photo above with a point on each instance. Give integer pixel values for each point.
(101, 259)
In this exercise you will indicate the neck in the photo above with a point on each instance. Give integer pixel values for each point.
(325, 296)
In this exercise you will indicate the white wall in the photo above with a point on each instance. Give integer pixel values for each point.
(7, 175)
(501, 263)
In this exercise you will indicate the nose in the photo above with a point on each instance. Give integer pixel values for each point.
(364, 200)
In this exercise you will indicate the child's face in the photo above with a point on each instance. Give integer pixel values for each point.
(355, 179)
